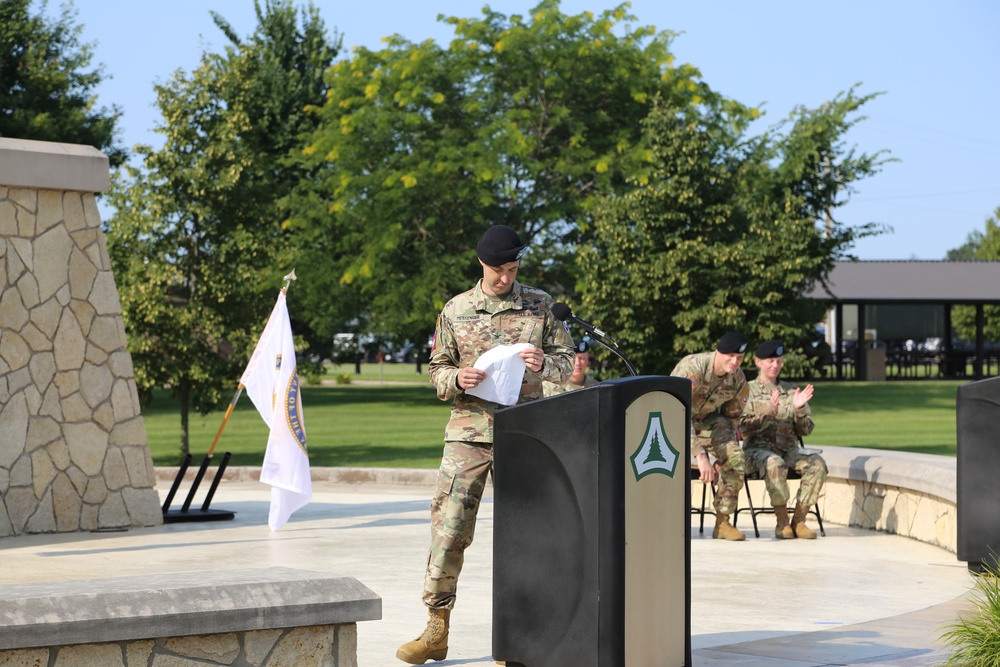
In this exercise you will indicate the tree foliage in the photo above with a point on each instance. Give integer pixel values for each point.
(727, 234)
(520, 120)
(196, 240)
(47, 84)
(968, 249)
(983, 245)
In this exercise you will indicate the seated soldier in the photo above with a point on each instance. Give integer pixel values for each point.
(578, 379)
(775, 416)
(718, 392)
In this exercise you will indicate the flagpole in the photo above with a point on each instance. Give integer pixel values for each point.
(225, 419)
(239, 387)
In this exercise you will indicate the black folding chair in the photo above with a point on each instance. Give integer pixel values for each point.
(701, 511)
(754, 475)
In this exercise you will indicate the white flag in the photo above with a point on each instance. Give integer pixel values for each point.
(272, 383)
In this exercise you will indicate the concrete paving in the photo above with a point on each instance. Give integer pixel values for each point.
(854, 597)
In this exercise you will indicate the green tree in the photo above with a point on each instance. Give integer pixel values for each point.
(196, 240)
(46, 82)
(983, 245)
(968, 249)
(727, 233)
(520, 120)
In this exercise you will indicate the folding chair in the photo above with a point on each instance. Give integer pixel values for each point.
(754, 475)
(696, 477)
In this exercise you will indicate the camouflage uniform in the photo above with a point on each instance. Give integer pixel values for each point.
(552, 388)
(470, 324)
(715, 404)
(771, 443)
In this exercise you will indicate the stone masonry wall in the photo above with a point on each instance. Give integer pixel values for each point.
(317, 646)
(893, 510)
(73, 451)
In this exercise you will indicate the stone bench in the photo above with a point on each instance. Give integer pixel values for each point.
(903, 493)
(273, 617)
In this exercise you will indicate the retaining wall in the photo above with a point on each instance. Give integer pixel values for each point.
(895, 492)
(274, 617)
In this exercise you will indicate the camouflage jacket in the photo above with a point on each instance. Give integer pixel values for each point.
(552, 389)
(711, 394)
(472, 323)
(763, 428)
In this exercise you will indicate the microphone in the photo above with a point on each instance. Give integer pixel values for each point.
(562, 312)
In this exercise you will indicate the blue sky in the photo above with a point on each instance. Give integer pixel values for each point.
(938, 64)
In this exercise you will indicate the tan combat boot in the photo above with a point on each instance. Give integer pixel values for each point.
(783, 531)
(432, 644)
(799, 526)
(726, 531)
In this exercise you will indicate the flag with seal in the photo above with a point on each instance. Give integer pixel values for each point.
(271, 380)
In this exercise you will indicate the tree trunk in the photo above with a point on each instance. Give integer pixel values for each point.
(185, 396)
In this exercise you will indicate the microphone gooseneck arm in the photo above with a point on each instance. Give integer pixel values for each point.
(563, 313)
(628, 364)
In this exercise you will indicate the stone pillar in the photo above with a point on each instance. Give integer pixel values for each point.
(73, 450)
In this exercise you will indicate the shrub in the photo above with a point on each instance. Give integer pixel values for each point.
(975, 638)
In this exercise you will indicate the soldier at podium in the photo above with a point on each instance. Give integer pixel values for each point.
(497, 311)
(718, 393)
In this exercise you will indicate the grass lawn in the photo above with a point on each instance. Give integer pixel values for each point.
(399, 426)
(391, 417)
(914, 416)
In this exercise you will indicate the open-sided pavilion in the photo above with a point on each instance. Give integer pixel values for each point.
(879, 301)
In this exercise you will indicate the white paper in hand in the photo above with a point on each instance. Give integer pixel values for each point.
(504, 374)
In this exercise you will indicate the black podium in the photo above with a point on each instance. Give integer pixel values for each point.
(977, 466)
(592, 527)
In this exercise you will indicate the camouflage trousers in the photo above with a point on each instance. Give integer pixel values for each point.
(773, 466)
(719, 439)
(460, 483)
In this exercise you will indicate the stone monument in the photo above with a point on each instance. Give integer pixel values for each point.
(73, 450)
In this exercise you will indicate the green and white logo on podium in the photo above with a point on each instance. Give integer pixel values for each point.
(655, 452)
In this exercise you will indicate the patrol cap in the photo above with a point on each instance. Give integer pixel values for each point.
(770, 349)
(732, 343)
(500, 245)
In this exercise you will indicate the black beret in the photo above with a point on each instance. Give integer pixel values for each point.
(732, 343)
(500, 245)
(770, 349)
(582, 346)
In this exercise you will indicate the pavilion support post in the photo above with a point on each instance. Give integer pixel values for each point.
(980, 345)
(861, 365)
(838, 343)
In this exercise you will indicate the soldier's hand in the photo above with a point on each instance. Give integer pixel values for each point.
(802, 396)
(775, 400)
(470, 377)
(534, 358)
(708, 472)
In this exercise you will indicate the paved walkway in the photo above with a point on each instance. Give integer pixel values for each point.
(854, 597)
